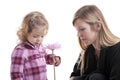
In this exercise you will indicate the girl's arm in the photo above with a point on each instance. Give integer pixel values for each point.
(17, 62)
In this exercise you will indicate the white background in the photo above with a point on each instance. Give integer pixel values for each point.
(59, 14)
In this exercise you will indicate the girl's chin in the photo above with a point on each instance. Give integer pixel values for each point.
(35, 44)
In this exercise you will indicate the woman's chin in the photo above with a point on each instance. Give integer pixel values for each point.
(87, 44)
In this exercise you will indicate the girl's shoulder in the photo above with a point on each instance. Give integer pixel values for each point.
(19, 51)
(19, 46)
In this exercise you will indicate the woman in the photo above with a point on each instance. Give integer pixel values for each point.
(100, 56)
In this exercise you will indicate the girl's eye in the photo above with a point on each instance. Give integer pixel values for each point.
(42, 36)
(36, 36)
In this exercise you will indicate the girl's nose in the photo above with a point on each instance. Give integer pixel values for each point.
(38, 40)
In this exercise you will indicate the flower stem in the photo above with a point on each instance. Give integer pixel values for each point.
(54, 65)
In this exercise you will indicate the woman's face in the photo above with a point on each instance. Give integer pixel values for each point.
(85, 32)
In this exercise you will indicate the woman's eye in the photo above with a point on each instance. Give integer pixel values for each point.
(82, 29)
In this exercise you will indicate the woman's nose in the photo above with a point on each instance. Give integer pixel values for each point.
(79, 34)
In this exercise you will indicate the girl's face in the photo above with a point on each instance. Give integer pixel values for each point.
(36, 36)
(85, 32)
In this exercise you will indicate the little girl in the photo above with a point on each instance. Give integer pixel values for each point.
(29, 57)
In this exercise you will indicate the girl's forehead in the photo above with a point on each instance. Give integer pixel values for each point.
(39, 30)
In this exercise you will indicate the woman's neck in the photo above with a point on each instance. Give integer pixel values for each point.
(97, 52)
(97, 48)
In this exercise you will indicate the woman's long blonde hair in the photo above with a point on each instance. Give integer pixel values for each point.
(91, 14)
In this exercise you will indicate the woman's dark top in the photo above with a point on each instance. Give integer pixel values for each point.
(108, 63)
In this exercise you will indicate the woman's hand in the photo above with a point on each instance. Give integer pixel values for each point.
(72, 78)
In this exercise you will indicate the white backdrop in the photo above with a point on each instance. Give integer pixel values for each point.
(59, 14)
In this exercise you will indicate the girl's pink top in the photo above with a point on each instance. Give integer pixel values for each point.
(29, 62)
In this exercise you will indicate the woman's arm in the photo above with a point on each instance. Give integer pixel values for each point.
(76, 71)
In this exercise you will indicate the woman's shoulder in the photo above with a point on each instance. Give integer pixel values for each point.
(115, 46)
(113, 50)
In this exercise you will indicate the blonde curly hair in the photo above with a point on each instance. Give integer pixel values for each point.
(31, 21)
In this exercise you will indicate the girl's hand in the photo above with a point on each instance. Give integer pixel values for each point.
(57, 60)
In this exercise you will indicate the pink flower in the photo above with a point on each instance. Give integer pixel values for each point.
(53, 46)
